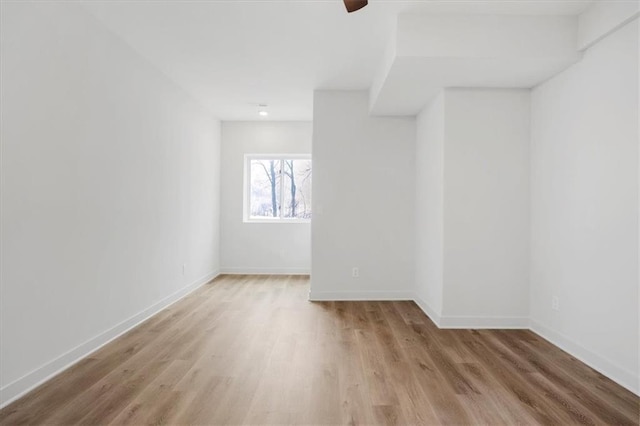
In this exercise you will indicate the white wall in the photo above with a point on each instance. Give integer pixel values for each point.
(604, 17)
(486, 205)
(472, 197)
(260, 247)
(585, 207)
(109, 185)
(429, 233)
(486, 36)
(363, 192)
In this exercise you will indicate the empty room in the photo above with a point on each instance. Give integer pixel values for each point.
(323, 212)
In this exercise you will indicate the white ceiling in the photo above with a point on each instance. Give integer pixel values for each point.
(486, 51)
(233, 55)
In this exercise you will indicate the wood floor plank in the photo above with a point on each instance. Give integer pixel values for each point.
(601, 408)
(249, 349)
(504, 403)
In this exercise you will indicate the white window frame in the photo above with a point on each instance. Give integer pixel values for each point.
(246, 204)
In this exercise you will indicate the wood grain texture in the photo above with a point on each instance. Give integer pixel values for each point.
(253, 350)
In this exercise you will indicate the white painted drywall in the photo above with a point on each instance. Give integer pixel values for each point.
(434, 52)
(260, 247)
(110, 179)
(429, 233)
(472, 208)
(486, 36)
(363, 195)
(585, 207)
(486, 203)
(604, 17)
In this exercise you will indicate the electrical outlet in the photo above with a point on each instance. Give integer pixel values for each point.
(184, 268)
(355, 272)
(555, 303)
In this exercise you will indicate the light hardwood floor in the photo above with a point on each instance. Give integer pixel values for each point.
(253, 350)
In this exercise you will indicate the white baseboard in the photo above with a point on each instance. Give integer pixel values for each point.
(264, 271)
(624, 378)
(359, 296)
(484, 322)
(428, 311)
(29, 381)
(471, 322)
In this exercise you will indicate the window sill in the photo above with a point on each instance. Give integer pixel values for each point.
(277, 221)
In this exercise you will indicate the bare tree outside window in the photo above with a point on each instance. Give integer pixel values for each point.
(297, 189)
(265, 188)
(280, 188)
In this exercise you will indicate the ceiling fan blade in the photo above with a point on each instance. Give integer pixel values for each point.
(353, 5)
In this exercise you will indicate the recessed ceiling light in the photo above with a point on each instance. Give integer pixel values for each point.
(262, 110)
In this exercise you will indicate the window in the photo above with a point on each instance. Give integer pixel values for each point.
(277, 188)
